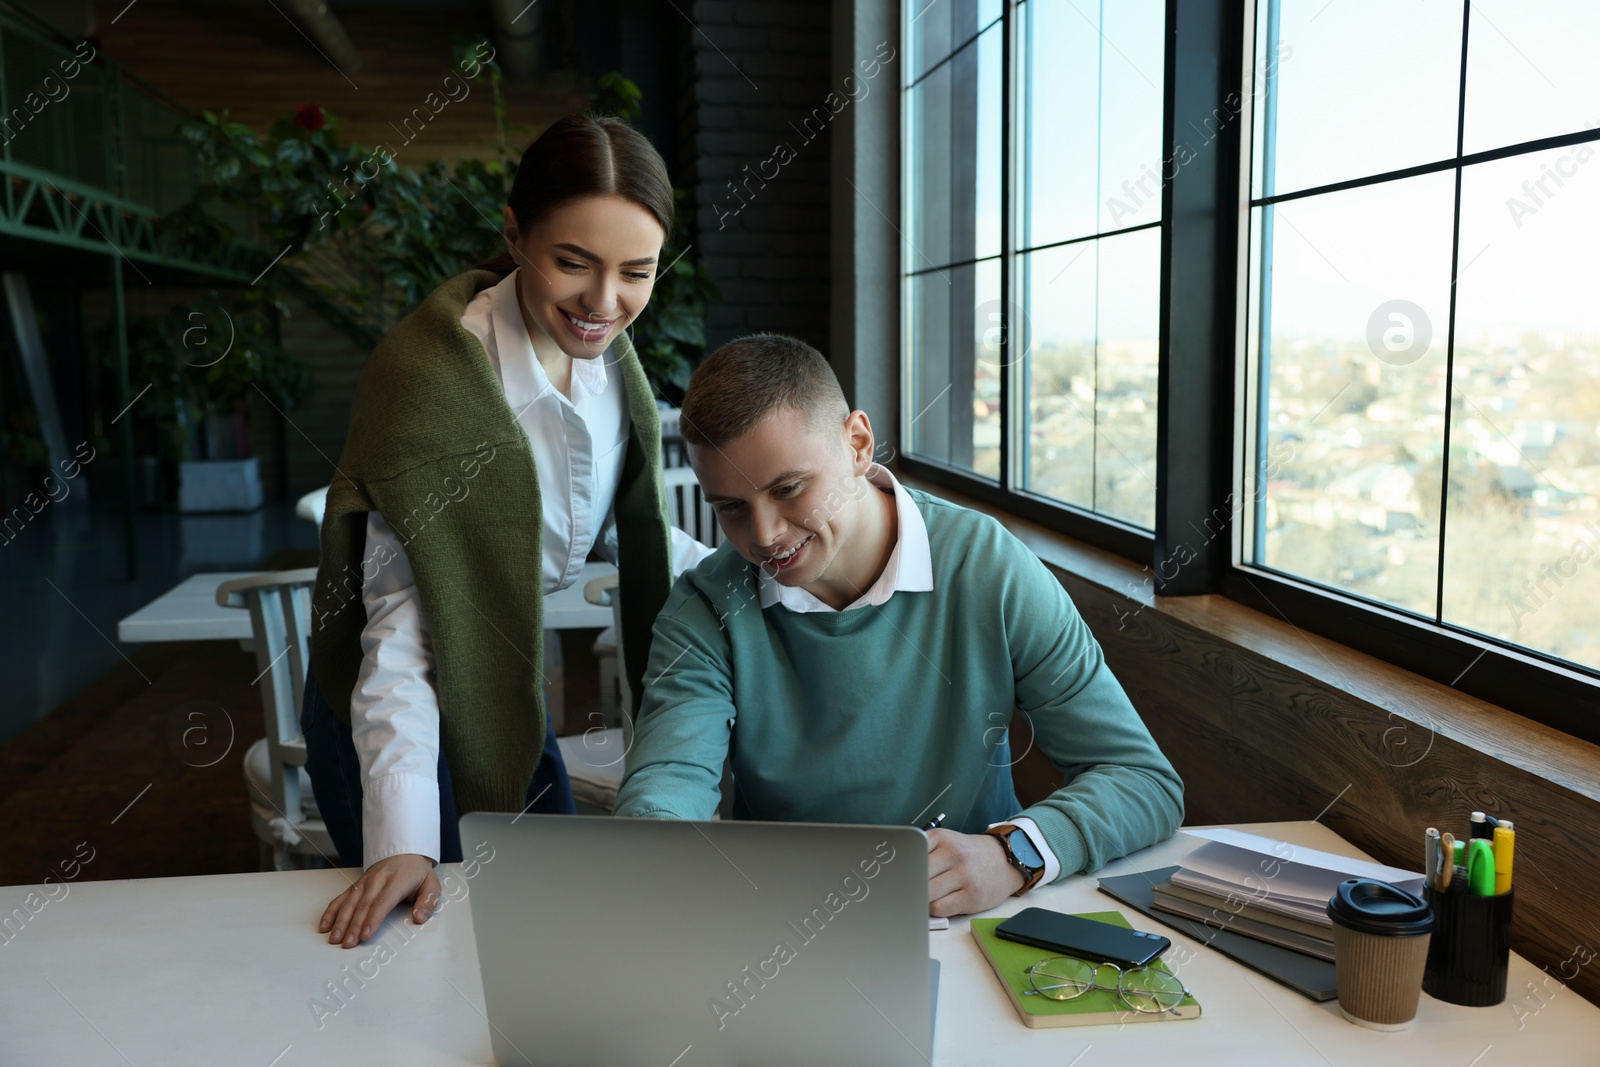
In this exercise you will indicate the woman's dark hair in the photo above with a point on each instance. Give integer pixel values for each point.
(584, 155)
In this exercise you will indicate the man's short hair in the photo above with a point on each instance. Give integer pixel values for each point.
(746, 380)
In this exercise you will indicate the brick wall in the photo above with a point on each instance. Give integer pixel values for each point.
(761, 119)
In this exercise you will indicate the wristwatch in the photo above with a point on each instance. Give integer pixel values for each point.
(1020, 853)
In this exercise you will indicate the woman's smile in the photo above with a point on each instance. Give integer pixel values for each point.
(589, 330)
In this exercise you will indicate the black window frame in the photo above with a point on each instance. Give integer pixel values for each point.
(1123, 539)
(1196, 546)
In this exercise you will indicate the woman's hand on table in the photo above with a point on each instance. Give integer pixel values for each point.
(355, 915)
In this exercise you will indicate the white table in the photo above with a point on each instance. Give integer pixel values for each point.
(224, 969)
(188, 612)
(568, 610)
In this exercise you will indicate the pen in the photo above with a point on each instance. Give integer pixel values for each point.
(1482, 828)
(1430, 858)
(1505, 843)
(934, 823)
(1447, 869)
(1480, 868)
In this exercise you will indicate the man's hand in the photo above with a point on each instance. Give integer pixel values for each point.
(355, 914)
(967, 873)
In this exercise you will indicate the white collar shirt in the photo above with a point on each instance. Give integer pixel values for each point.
(578, 444)
(909, 570)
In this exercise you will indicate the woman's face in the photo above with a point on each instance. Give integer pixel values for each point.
(587, 270)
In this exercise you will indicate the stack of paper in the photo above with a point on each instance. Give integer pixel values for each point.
(1276, 877)
(1247, 920)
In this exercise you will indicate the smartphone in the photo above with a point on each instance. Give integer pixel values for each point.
(1090, 940)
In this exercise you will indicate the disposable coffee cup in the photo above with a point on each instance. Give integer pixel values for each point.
(1380, 949)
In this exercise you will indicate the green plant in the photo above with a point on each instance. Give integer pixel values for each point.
(375, 236)
(670, 336)
(614, 94)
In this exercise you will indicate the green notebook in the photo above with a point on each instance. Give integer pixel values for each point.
(1011, 960)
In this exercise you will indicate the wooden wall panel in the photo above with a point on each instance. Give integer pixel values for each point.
(253, 62)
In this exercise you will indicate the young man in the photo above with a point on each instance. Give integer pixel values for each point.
(860, 649)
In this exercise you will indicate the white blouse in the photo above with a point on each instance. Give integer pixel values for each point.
(578, 447)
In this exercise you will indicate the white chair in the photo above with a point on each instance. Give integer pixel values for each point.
(283, 810)
(312, 506)
(673, 451)
(687, 508)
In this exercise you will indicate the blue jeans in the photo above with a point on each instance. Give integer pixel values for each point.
(335, 772)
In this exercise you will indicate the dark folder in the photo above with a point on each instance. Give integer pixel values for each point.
(1304, 974)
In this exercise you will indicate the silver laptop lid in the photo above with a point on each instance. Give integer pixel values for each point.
(606, 941)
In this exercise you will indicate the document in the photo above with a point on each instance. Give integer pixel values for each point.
(1290, 879)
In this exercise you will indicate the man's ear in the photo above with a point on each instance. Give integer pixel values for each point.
(858, 439)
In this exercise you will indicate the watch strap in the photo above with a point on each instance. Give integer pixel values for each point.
(1030, 875)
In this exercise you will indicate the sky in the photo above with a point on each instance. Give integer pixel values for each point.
(1367, 86)
(1363, 87)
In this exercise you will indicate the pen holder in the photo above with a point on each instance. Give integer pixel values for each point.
(1471, 948)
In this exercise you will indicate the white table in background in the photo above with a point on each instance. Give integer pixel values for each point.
(188, 612)
(568, 610)
(226, 969)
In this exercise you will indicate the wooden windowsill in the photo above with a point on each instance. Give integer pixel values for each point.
(1420, 707)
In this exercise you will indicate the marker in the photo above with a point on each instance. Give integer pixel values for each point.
(934, 823)
(1458, 854)
(1480, 869)
(1482, 827)
(1430, 858)
(1505, 844)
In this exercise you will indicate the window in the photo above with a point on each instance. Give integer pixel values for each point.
(1381, 380)
(1032, 257)
(1423, 339)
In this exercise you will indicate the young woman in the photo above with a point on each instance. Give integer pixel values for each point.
(500, 432)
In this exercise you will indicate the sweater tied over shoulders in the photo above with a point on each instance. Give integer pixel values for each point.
(435, 449)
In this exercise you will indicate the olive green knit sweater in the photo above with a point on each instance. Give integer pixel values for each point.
(434, 448)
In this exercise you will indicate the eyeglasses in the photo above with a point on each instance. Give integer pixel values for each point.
(1144, 989)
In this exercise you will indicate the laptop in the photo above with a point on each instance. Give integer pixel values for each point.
(607, 941)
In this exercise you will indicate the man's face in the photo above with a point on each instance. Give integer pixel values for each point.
(788, 495)
(588, 269)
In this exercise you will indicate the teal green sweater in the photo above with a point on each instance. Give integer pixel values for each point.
(892, 713)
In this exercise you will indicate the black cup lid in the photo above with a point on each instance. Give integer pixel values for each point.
(1375, 907)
